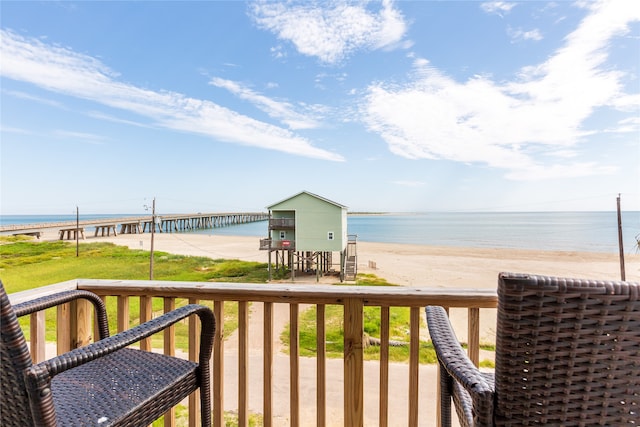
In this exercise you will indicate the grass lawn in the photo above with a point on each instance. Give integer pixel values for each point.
(27, 264)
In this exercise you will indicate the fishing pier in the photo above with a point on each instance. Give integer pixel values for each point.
(137, 224)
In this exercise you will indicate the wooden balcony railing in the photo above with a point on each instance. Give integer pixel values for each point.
(282, 223)
(270, 244)
(362, 388)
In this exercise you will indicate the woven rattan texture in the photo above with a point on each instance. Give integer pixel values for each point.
(104, 383)
(14, 359)
(104, 391)
(567, 353)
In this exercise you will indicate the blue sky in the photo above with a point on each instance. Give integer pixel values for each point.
(380, 106)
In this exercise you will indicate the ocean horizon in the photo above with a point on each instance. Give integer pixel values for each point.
(562, 231)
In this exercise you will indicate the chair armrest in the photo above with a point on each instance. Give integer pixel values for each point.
(452, 356)
(48, 301)
(82, 355)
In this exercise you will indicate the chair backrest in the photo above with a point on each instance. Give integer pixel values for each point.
(14, 360)
(567, 352)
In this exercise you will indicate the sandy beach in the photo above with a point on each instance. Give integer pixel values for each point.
(405, 265)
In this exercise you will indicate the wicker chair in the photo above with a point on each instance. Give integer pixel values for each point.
(567, 353)
(104, 383)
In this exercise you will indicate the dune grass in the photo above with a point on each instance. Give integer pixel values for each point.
(27, 264)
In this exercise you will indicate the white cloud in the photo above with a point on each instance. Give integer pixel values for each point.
(63, 71)
(520, 35)
(331, 31)
(497, 7)
(102, 116)
(30, 97)
(89, 138)
(510, 125)
(288, 113)
(18, 131)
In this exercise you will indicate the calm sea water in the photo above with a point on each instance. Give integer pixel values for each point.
(565, 231)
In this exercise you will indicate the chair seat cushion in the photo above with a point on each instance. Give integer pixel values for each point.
(105, 391)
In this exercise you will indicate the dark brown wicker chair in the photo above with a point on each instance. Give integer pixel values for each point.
(104, 383)
(567, 354)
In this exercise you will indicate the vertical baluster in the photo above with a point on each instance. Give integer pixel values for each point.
(294, 366)
(267, 367)
(169, 344)
(37, 336)
(218, 365)
(123, 313)
(474, 335)
(81, 328)
(243, 360)
(63, 330)
(384, 366)
(321, 367)
(146, 313)
(414, 365)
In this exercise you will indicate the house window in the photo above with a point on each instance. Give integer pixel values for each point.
(283, 235)
(330, 235)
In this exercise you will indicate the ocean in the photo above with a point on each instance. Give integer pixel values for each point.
(563, 231)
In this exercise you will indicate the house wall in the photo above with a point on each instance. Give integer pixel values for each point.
(288, 233)
(315, 218)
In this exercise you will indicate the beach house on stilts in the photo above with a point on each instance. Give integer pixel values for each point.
(305, 231)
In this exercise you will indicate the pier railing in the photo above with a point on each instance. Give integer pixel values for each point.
(243, 380)
(143, 223)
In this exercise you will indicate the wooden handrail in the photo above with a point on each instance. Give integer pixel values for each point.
(352, 298)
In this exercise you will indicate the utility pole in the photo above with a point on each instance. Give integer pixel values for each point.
(153, 229)
(77, 231)
(620, 244)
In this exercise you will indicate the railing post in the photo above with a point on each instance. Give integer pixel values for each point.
(353, 363)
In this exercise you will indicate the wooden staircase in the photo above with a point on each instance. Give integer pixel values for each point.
(351, 259)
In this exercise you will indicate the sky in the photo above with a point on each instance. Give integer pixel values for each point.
(381, 106)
